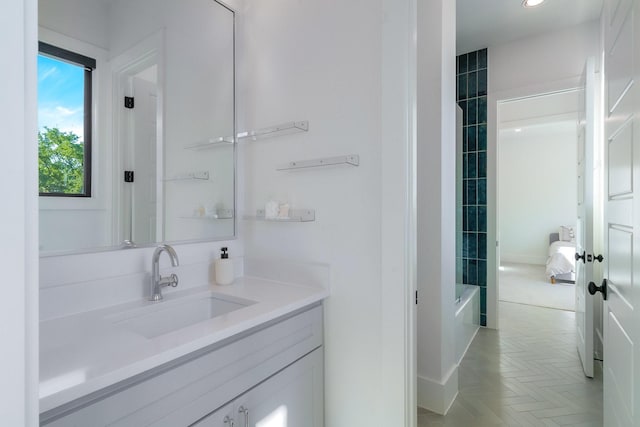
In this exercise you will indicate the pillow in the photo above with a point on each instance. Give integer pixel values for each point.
(567, 234)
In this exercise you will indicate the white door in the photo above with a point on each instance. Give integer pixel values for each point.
(621, 316)
(584, 224)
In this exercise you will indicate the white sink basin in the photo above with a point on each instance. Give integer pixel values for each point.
(164, 317)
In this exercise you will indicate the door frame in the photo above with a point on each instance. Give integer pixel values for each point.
(493, 246)
(499, 103)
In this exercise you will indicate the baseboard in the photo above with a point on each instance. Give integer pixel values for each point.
(438, 396)
(523, 259)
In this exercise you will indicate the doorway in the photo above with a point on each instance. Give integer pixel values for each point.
(537, 198)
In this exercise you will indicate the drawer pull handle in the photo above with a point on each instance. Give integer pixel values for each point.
(228, 421)
(245, 411)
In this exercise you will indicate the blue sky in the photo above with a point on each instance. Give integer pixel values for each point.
(60, 95)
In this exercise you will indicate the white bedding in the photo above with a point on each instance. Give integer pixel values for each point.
(561, 258)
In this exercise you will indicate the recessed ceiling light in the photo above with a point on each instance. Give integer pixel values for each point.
(532, 3)
(518, 130)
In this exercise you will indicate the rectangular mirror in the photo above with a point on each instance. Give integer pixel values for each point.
(136, 118)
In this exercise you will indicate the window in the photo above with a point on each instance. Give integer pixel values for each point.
(64, 122)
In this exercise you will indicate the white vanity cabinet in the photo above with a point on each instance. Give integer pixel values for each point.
(292, 397)
(277, 366)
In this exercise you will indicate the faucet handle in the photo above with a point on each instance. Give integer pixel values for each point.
(169, 281)
(173, 280)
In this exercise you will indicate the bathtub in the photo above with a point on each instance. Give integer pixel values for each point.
(467, 317)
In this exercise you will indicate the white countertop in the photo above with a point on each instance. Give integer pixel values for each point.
(86, 352)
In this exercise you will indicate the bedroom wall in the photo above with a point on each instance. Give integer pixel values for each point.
(536, 187)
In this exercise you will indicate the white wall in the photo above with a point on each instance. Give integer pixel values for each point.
(304, 60)
(527, 67)
(436, 121)
(18, 220)
(86, 22)
(73, 228)
(297, 69)
(536, 189)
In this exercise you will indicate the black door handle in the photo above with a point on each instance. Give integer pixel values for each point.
(578, 256)
(602, 288)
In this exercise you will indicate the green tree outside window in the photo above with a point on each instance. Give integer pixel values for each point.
(60, 162)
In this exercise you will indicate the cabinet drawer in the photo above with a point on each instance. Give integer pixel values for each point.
(202, 381)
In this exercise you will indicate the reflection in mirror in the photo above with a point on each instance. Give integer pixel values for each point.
(162, 80)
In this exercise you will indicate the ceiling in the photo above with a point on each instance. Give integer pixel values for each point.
(484, 23)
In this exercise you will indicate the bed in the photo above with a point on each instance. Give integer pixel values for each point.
(561, 262)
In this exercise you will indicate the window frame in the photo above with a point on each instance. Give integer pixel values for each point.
(89, 65)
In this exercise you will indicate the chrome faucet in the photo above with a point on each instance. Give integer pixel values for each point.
(157, 281)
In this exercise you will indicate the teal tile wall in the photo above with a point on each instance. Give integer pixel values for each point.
(472, 98)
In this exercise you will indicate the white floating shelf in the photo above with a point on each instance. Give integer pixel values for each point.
(211, 143)
(295, 215)
(220, 214)
(283, 129)
(352, 160)
(190, 176)
(254, 135)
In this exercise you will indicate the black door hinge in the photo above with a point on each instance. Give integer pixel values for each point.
(128, 102)
(128, 176)
(416, 297)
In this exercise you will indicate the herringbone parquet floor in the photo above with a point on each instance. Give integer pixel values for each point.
(526, 374)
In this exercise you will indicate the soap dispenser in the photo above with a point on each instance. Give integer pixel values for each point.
(223, 267)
